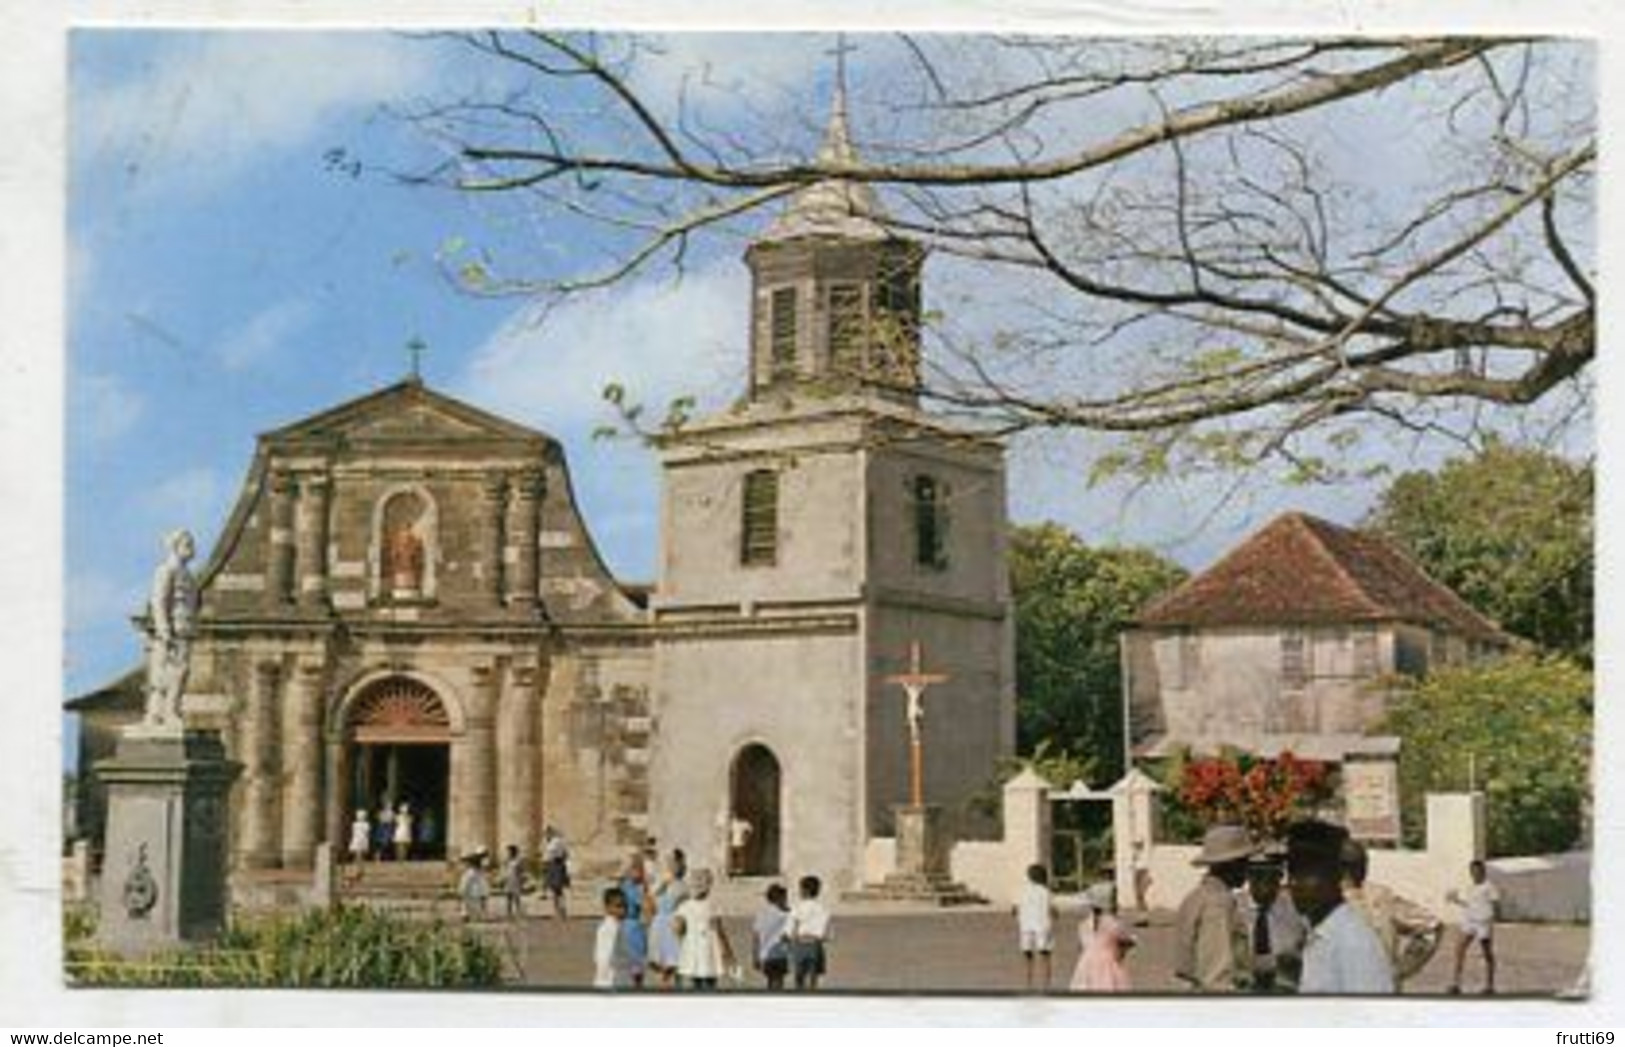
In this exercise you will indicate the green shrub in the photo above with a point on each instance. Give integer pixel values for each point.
(347, 947)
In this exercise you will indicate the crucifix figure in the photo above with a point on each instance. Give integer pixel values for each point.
(914, 682)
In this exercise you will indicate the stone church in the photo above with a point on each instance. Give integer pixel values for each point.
(406, 606)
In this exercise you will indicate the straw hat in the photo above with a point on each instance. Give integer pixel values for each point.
(1224, 843)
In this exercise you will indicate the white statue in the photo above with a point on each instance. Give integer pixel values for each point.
(172, 612)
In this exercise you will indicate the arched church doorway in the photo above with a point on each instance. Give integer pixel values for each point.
(753, 821)
(400, 753)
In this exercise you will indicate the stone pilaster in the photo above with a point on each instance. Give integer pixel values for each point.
(516, 761)
(527, 498)
(473, 769)
(495, 491)
(258, 846)
(302, 765)
(314, 490)
(279, 557)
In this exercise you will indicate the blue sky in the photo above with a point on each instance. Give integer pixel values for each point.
(228, 272)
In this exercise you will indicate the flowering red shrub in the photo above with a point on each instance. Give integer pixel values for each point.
(1263, 795)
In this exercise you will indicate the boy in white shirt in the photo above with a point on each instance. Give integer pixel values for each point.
(611, 961)
(1035, 923)
(1477, 923)
(808, 932)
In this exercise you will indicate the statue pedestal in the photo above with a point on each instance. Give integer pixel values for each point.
(164, 870)
(923, 871)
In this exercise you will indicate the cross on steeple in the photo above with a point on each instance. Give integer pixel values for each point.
(415, 348)
(841, 49)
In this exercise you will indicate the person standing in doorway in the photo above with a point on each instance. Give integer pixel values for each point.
(428, 834)
(1207, 929)
(384, 829)
(1035, 925)
(1341, 954)
(403, 833)
(809, 933)
(1478, 904)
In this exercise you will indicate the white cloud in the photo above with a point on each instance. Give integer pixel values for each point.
(208, 105)
(263, 334)
(658, 338)
(102, 408)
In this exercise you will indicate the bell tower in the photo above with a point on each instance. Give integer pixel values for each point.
(835, 294)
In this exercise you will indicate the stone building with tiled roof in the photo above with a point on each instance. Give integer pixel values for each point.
(1284, 643)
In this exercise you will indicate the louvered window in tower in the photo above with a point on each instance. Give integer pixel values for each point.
(759, 524)
(782, 340)
(846, 328)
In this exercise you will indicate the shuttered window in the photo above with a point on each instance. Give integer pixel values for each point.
(846, 328)
(783, 328)
(1294, 659)
(759, 525)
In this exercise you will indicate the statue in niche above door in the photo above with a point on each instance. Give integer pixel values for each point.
(402, 545)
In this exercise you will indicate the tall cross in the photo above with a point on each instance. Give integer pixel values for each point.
(416, 348)
(840, 51)
(914, 682)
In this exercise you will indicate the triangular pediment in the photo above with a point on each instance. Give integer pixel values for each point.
(408, 413)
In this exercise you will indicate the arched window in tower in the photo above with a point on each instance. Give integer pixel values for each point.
(759, 523)
(402, 546)
(930, 523)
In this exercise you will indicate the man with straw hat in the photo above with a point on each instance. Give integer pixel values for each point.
(1208, 927)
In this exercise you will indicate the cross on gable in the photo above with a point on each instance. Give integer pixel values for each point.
(839, 52)
(416, 348)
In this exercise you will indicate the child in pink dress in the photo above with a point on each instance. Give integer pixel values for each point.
(1104, 941)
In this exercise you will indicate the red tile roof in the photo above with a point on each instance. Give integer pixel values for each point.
(1300, 570)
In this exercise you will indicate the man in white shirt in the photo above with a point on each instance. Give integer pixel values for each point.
(1342, 954)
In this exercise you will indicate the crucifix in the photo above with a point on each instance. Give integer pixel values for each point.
(416, 348)
(914, 682)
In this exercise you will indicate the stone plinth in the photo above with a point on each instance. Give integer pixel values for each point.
(164, 873)
(923, 871)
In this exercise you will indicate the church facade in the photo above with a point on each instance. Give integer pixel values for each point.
(406, 607)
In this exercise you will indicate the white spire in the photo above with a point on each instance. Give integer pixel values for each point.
(834, 207)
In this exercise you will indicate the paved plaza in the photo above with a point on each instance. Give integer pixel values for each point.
(974, 950)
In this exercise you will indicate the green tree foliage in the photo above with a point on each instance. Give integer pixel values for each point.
(1071, 603)
(1511, 530)
(1521, 727)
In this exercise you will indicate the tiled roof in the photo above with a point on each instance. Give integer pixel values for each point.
(1300, 570)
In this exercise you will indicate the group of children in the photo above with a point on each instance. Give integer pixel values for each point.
(474, 887)
(1102, 937)
(686, 945)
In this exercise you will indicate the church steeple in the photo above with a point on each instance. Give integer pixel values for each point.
(835, 293)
